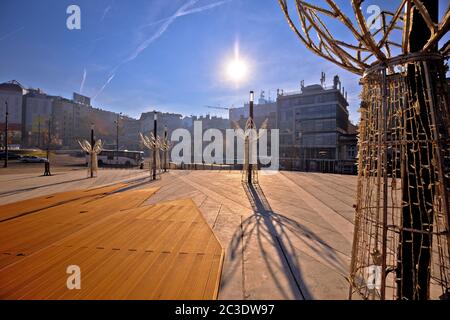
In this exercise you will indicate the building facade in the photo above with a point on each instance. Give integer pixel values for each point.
(262, 110)
(11, 94)
(37, 115)
(314, 127)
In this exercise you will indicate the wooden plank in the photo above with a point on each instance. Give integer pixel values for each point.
(27, 234)
(160, 251)
(17, 209)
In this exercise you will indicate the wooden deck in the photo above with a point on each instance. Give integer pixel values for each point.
(125, 250)
(17, 209)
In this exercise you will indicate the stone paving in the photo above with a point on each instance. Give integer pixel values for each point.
(289, 237)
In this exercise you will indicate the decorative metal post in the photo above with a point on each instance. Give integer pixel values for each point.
(93, 149)
(92, 154)
(6, 135)
(155, 134)
(117, 136)
(166, 149)
(249, 147)
(250, 137)
(154, 144)
(47, 163)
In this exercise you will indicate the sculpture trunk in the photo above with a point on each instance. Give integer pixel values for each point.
(413, 269)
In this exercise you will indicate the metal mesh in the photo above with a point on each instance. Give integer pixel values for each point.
(401, 240)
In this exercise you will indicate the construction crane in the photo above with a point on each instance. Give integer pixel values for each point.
(219, 108)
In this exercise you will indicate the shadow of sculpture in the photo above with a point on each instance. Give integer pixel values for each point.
(279, 240)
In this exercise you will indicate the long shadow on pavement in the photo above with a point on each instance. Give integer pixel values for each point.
(275, 231)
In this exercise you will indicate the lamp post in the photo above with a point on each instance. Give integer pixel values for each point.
(6, 135)
(49, 138)
(165, 151)
(47, 163)
(250, 166)
(117, 136)
(92, 150)
(155, 130)
(39, 131)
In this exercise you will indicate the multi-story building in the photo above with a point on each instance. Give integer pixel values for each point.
(263, 110)
(11, 93)
(171, 120)
(313, 123)
(66, 121)
(129, 129)
(212, 122)
(37, 112)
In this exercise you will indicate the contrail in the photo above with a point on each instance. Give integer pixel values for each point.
(105, 12)
(83, 80)
(185, 13)
(11, 33)
(104, 86)
(160, 30)
(182, 11)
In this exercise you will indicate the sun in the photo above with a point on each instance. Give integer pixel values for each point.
(237, 70)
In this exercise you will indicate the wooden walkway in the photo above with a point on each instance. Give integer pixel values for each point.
(17, 209)
(125, 250)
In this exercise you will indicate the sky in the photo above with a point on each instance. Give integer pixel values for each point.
(170, 55)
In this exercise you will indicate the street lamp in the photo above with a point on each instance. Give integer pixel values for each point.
(92, 150)
(165, 149)
(155, 134)
(117, 136)
(250, 166)
(6, 135)
(47, 163)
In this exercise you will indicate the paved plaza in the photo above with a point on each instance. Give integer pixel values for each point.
(287, 237)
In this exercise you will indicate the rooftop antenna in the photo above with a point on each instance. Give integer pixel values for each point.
(302, 84)
(322, 79)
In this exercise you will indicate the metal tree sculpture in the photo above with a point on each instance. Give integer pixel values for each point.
(154, 145)
(93, 152)
(165, 147)
(402, 240)
(250, 137)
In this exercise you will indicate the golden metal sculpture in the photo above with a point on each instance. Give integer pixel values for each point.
(250, 136)
(93, 153)
(165, 148)
(401, 247)
(369, 46)
(155, 146)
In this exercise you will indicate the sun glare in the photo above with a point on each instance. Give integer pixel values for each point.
(237, 70)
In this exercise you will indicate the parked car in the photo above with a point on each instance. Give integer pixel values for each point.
(11, 156)
(33, 159)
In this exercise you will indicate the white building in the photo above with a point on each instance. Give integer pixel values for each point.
(11, 93)
(37, 110)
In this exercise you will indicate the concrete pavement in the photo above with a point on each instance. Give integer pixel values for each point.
(287, 238)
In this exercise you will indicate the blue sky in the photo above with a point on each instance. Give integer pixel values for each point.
(135, 56)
